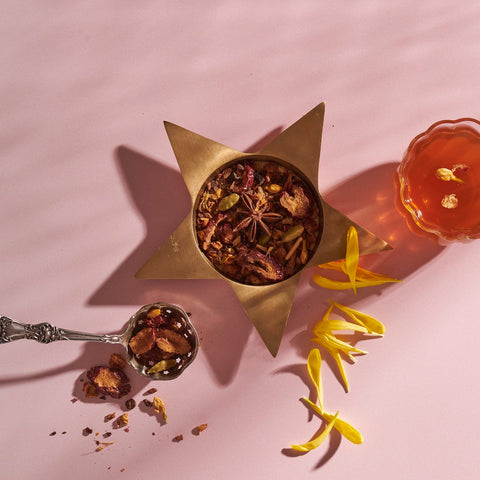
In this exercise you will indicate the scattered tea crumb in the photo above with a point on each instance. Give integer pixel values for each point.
(109, 417)
(199, 429)
(122, 421)
(63, 433)
(148, 403)
(102, 445)
(177, 438)
(73, 400)
(151, 391)
(126, 429)
(90, 390)
(52, 434)
(117, 361)
(87, 431)
(107, 434)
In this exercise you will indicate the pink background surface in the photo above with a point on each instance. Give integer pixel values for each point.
(90, 187)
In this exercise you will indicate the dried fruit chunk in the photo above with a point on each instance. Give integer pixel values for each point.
(110, 381)
(297, 204)
(122, 421)
(159, 407)
(153, 313)
(143, 341)
(260, 264)
(172, 342)
(199, 429)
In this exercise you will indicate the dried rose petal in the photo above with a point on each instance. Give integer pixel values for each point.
(172, 342)
(298, 205)
(143, 341)
(259, 264)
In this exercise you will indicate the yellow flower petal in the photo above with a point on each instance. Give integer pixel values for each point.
(316, 441)
(352, 256)
(370, 323)
(314, 363)
(331, 284)
(347, 430)
(367, 275)
(318, 327)
(332, 325)
(338, 359)
(328, 340)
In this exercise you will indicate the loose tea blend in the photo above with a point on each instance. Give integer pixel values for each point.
(258, 221)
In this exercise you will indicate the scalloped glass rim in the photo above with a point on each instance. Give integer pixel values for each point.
(407, 202)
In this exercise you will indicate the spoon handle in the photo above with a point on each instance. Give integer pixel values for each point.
(46, 333)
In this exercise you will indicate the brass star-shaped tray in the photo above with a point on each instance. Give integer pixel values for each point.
(180, 257)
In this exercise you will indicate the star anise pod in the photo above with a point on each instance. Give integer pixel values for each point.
(255, 216)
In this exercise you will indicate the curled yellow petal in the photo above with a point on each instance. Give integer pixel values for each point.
(335, 265)
(328, 340)
(347, 430)
(331, 284)
(366, 275)
(316, 441)
(370, 323)
(331, 325)
(352, 256)
(338, 359)
(318, 328)
(314, 363)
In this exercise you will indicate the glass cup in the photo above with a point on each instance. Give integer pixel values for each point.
(439, 180)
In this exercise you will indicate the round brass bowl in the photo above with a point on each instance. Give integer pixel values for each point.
(265, 251)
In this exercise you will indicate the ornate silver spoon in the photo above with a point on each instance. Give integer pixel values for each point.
(11, 330)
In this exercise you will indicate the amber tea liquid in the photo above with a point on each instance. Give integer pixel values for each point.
(459, 151)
